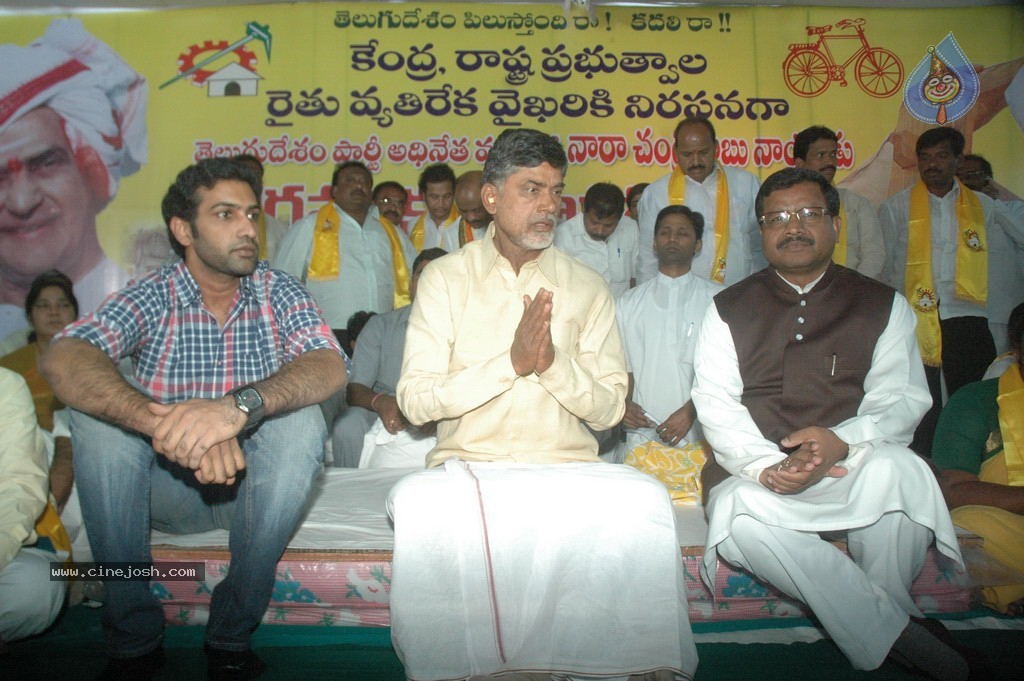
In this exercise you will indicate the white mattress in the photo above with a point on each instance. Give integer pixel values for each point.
(349, 513)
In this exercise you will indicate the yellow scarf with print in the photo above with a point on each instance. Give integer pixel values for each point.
(325, 261)
(400, 265)
(1011, 423)
(50, 529)
(677, 196)
(842, 239)
(678, 468)
(465, 233)
(971, 265)
(418, 233)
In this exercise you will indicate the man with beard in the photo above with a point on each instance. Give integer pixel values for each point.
(724, 196)
(859, 246)
(660, 321)
(944, 245)
(475, 217)
(512, 348)
(809, 385)
(343, 254)
(214, 428)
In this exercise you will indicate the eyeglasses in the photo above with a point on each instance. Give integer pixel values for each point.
(387, 201)
(781, 218)
(974, 175)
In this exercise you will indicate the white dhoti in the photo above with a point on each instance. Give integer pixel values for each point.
(891, 506)
(565, 568)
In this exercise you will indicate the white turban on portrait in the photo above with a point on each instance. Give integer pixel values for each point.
(101, 99)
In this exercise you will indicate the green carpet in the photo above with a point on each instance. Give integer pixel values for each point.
(73, 650)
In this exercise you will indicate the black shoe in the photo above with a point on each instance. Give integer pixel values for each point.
(140, 668)
(976, 660)
(923, 652)
(232, 665)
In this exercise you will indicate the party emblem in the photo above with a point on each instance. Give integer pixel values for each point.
(944, 85)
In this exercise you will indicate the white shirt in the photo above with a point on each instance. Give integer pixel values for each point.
(615, 258)
(745, 253)
(444, 235)
(1004, 227)
(865, 248)
(365, 278)
(660, 321)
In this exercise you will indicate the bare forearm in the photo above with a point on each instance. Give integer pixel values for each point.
(62, 472)
(977, 493)
(309, 379)
(359, 395)
(84, 378)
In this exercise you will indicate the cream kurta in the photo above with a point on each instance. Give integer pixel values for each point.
(457, 368)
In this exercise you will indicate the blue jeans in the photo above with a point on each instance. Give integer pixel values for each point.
(126, 488)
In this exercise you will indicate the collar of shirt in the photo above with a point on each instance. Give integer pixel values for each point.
(799, 289)
(674, 282)
(489, 257)
(190, 293)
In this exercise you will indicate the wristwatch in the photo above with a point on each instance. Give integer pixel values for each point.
(250, 402)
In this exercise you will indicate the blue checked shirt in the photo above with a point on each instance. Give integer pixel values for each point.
(178, 349)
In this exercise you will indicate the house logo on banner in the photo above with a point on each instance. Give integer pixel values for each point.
(944, 85)
(811, 67)
(204, 64)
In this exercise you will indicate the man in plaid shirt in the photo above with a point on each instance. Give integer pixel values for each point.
(217, 427)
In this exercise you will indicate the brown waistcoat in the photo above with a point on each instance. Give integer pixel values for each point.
(803, 358)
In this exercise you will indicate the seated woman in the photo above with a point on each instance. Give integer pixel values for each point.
(50, 306)
(979, 449)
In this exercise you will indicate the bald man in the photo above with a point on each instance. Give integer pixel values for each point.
(475, 218)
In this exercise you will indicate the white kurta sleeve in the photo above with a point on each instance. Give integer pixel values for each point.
(739, 446)
(895, 390)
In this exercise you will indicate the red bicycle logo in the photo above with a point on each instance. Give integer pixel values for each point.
(810, 67)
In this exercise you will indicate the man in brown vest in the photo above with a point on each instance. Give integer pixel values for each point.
(809, 386)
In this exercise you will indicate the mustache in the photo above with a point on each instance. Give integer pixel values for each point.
(795, 237)
(832, 168)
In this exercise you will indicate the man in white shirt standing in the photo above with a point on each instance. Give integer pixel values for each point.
(438, 226)
(1007, 251)
(342, 253)
(941, 240)
(724, 196)
(602, 237)
(859, 246)
(660, 320)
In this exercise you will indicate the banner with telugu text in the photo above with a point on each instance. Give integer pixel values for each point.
(401, 86)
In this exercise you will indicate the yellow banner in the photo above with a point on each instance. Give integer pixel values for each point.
(400, 86)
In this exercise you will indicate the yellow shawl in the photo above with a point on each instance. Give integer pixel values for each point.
(418, 233)
(971, 265)
(325, 261)
(1011, 423)
(677, 196)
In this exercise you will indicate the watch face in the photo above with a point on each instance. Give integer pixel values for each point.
(248, 400)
